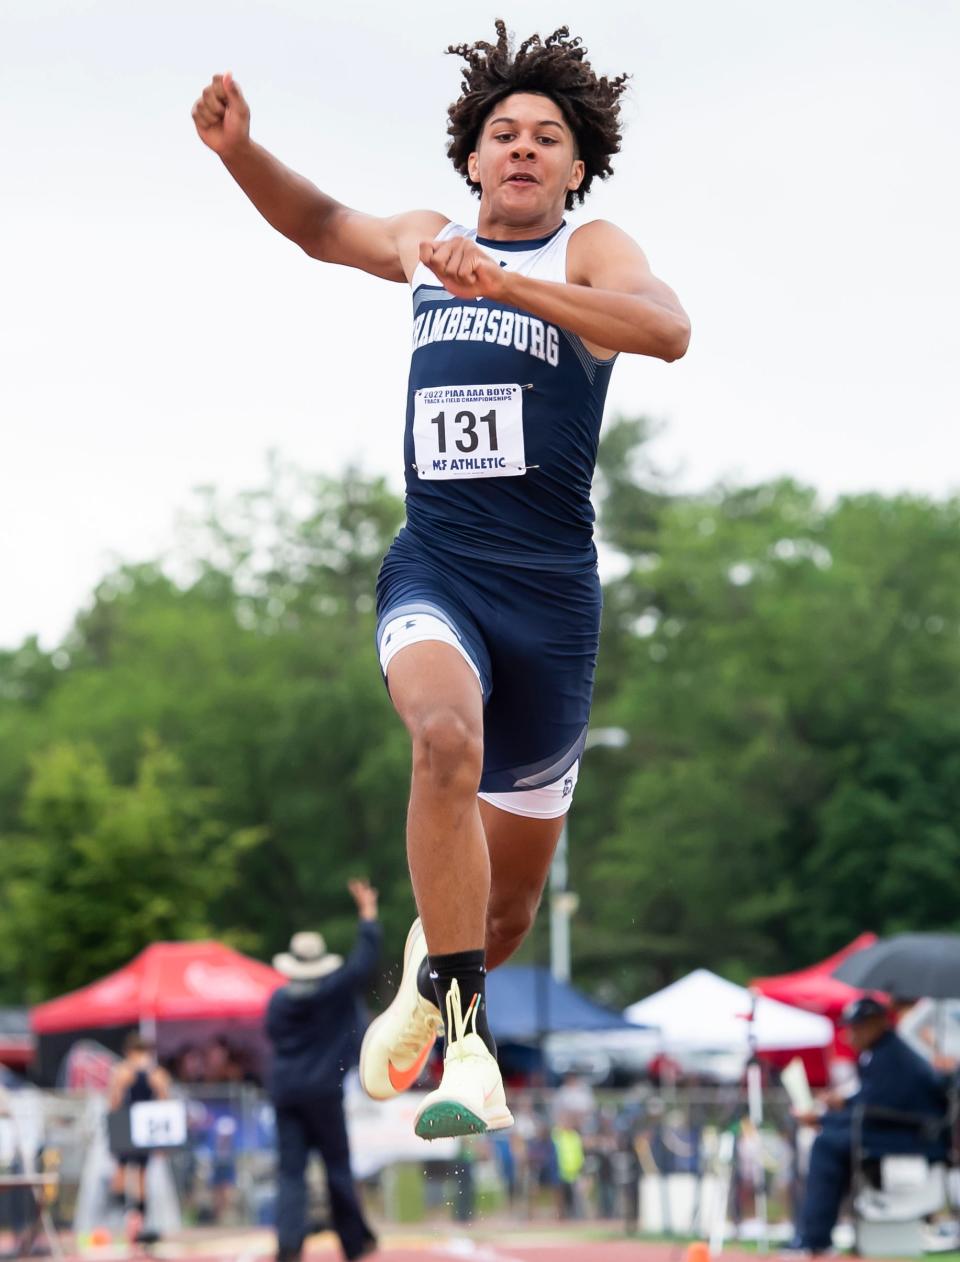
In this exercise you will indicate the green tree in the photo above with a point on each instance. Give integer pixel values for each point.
(787, 671)
(102, 870)
(774, 659)
(256, 666)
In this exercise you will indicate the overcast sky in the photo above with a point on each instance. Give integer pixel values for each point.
(790, 167)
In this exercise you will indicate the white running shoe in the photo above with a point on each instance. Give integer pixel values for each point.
(470, 1098)
(396, 1045)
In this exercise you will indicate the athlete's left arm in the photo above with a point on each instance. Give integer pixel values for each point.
(614, 300)
(611, 298)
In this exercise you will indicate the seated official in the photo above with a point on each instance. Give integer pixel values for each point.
(892, 1077)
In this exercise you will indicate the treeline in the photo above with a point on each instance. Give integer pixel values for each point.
(212, 752)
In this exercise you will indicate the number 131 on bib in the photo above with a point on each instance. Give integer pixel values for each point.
(469, 431)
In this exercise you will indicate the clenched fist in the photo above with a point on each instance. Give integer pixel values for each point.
(221, 115)
(462, 268)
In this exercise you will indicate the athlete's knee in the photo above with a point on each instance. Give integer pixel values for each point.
(447, 751)
(508, 923)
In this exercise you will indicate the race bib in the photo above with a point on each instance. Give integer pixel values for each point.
(158, 1124)
(468, 432)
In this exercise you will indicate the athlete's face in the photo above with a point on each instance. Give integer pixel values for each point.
(525, 161)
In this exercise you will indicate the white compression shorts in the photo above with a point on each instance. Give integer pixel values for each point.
(548, 801)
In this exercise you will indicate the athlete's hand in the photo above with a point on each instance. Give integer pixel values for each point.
(462, 268)
(221, 115)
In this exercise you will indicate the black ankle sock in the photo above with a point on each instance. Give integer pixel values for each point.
(424, 984)
(467, 968)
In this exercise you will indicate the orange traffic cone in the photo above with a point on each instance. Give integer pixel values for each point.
(697, 1251)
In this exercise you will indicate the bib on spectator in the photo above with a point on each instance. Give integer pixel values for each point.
(468, 432)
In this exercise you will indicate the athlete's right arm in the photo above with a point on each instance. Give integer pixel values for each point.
(321, 226)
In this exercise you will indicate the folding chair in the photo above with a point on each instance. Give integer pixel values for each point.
(895, 1193)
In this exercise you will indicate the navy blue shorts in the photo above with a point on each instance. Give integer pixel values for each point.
(531, 635)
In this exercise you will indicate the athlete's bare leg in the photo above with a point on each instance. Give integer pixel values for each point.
(478, 874)
(118, 1184)
(520, 852)
(439, 699)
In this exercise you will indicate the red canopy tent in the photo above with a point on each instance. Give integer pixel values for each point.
(175, 991)
(817, 990)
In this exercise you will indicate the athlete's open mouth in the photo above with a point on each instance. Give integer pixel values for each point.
(521, 177)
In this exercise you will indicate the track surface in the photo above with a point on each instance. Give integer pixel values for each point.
(441, 1247)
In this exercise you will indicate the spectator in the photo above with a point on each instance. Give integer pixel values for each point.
(892, 1076)
(543, 1171)
(920, 1026)
(189, 1065)
(311, 1023)
(223, 1171)
(522, 1140)
(628, 1170)
(217, 1060)
(502, 1146)
(574, 1100)
(569, 1146)
(464, 1187)
(600, 1147)
(221, 1062)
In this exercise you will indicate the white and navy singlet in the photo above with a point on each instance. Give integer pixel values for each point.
(502, 428)
(540, 516)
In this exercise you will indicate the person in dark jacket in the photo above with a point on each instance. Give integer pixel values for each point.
(312, 1024)
(892, 1077)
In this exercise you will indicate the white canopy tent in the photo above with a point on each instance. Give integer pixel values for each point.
(704, 1010)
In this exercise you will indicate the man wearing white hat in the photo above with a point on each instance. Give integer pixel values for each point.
(312, 1024)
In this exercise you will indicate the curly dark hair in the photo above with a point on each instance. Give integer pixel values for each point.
(556, 67)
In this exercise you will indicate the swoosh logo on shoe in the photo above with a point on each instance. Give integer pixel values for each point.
(401, 1079)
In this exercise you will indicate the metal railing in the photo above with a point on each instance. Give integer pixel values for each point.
(652, 1160)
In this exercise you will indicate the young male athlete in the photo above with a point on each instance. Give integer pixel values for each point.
(488, 600)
